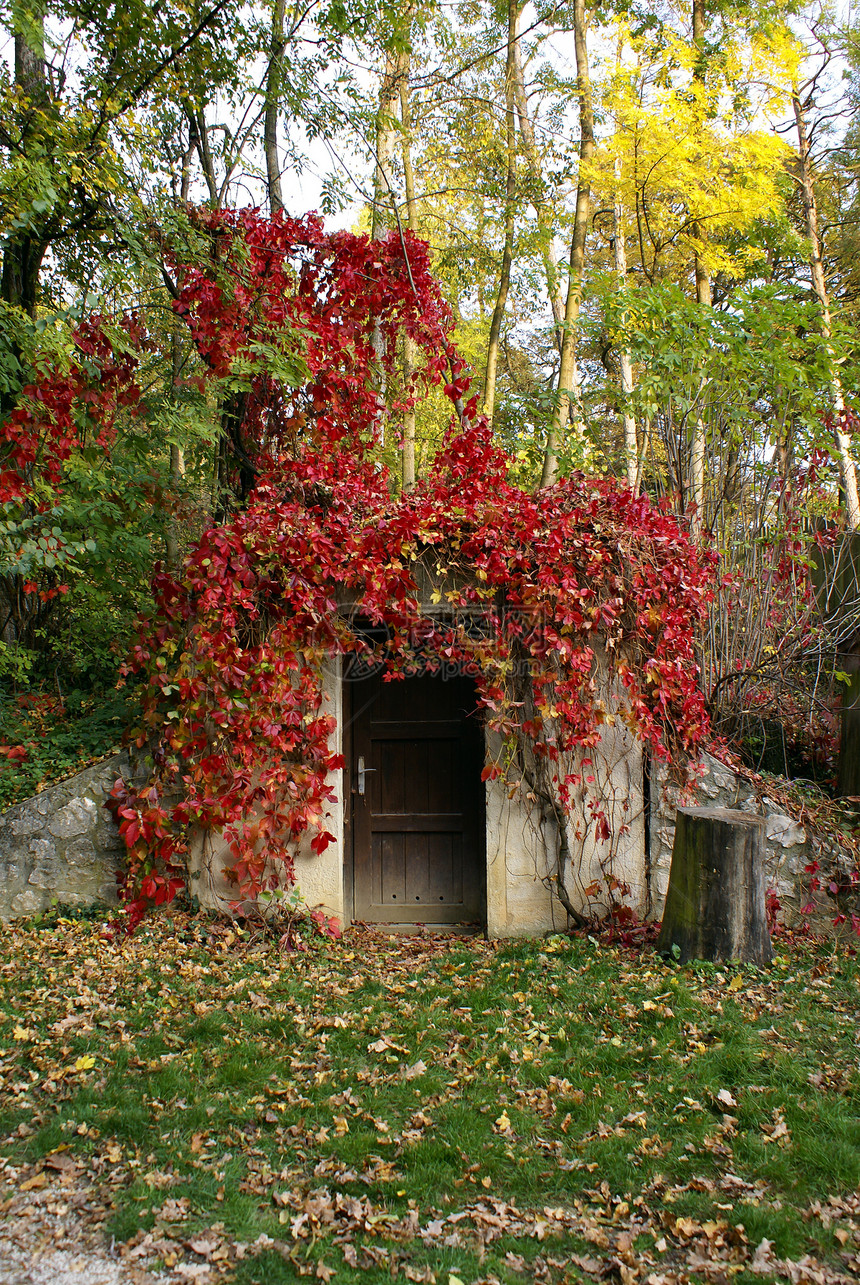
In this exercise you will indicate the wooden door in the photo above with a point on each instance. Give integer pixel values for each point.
(417, 801)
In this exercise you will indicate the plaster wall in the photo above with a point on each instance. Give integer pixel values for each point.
(519, 899)
(319, 876)
(616, 790)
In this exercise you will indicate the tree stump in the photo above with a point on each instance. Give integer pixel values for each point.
(715, 902)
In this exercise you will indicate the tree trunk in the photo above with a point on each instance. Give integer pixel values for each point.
(545, 230)
(835, 575)
(704, 296)
(847, 471)
(23, 252)
(715, 905)
(273, 98)
(199, 132)
(384, 198)
(408, 459)
(492, 365)
(631, 445)
(177, 455)
(568, 373)
(848, 784)
(30, 75)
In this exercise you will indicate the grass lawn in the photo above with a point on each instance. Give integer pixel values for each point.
(436, 1110)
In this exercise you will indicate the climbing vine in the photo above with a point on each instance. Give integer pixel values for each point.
(572, 608)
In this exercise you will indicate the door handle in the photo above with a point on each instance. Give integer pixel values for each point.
(362, 774)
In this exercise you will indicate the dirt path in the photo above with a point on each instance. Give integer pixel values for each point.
(53, 1236)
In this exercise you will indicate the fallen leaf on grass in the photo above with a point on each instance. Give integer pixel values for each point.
(192, 1271)
(635, 1117)
(503, 1123)
(592, 1265)
(385, 1045)
(61, 1161)
(425, 1275)
(203, 1246)
(777, 1131)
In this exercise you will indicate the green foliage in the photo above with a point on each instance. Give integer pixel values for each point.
(755, 371)
(60, 734)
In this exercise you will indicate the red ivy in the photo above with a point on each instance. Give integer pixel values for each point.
(69, 408)
(580, 576)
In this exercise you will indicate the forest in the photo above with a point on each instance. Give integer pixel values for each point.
(642, 221)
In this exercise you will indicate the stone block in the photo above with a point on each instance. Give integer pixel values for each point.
(78, 889)
(29, 902)
(106, 839)
(783, 830)
(77, 817)
(28, 821)
(84, 852)
(79, 897)
(13, 878)
(45, 876)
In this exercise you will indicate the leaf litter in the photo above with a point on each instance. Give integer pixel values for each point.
(191, 1105)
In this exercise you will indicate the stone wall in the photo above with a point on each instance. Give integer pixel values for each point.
(789, 848)
(61, 844)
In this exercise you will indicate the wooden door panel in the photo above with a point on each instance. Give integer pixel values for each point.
(418, 831)
(417, 875)
(389, 870)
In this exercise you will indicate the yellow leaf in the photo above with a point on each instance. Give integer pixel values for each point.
(22, 1033)
(736, 983)
(503, 1124)
(85, 1063)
